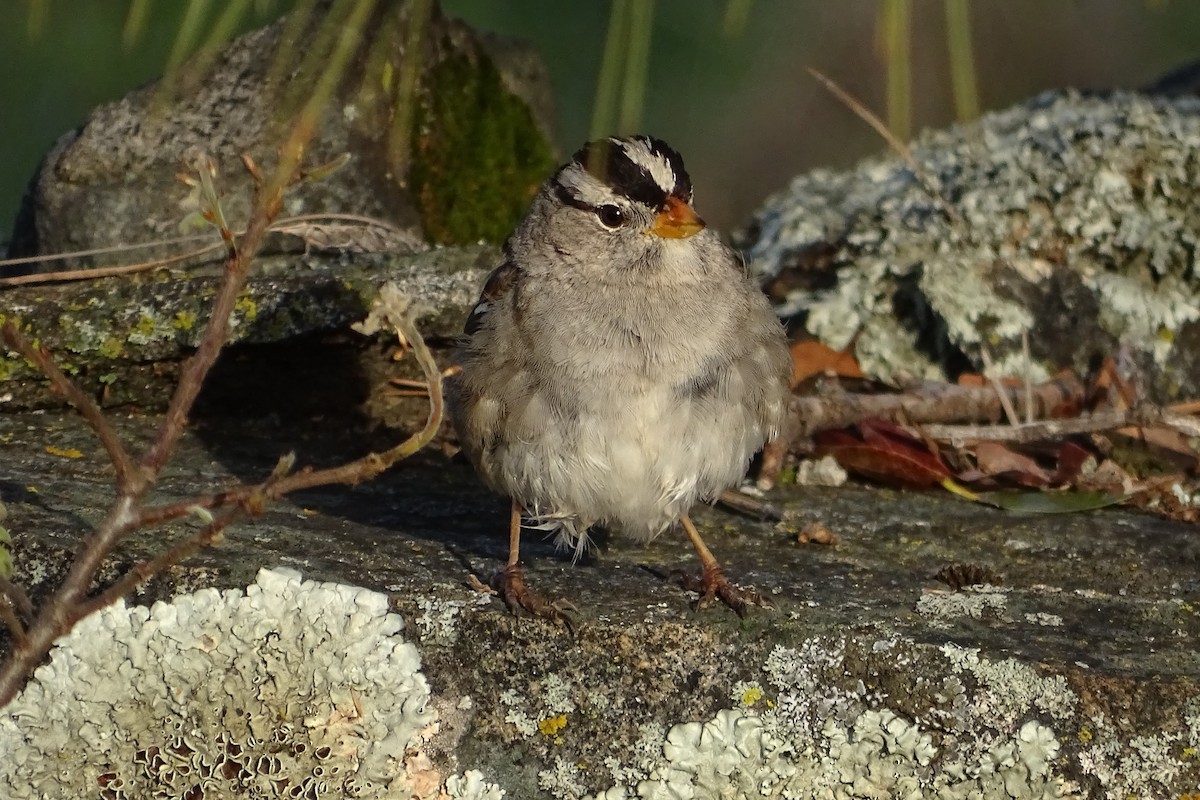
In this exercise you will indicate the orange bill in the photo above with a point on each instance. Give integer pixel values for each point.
(676, 221)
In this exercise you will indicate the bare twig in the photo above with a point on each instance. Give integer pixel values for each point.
(61, 610)
(1056, 428)
(1028, 378)
(103, 272)
(143, 571)
(95, 251)
(1005, 402)
(15, 629)
(16, 595)
(900, 147)
(292, 225)
(62, 385)
(208, 535)
(936, 403)
(237, 270)
(68, 604)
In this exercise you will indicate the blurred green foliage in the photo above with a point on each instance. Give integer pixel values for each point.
(723, 80)
(482, 156)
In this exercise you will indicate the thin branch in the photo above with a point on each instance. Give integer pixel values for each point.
(103, 272)
(67, 603)
(16, 595)
(353, 472)
(237, 270)
(936, 403)
(99, 251)
(15, 629)
(1057, 428)
(78, 399)
(143, 571)
(54, 620)
(1005, 402)
(900, 147)
(284, 225)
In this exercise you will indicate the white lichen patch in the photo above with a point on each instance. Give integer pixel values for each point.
(471, 785)
(438, 621)
(818, 741)
(544, 706)
(291, 688)
(1009, 689)
(975, 603)
(1145, 766)
(150, 327)
(562, 779)
(1064, 190)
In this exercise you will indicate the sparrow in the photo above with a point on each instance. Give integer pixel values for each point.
(620, 365)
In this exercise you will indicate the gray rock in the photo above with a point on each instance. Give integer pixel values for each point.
(453, 159)
(124, 339)
(1078, 219)
(1077, 677)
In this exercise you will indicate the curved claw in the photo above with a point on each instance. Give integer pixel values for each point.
(712, 585)
(510, 584)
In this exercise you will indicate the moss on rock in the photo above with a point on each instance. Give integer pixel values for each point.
(479, 154)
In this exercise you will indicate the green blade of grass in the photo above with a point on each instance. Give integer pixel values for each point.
(963, 80)
(604, 110)
(637, 66)
(896, 24)
(1026, 502)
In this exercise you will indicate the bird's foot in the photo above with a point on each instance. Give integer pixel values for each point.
(712, 585)
(509, 584)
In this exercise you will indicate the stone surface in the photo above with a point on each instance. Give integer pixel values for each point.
(1076, 224)
(443, 139)
(1077, 677)
(124, 338)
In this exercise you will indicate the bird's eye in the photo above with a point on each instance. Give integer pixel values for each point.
(610, 216)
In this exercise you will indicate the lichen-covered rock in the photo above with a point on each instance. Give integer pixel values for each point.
(418, 84)
(866, 679)
(290, 689)
(1076, 222)
(124, 339)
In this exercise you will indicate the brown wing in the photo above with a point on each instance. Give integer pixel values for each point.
(498, 285)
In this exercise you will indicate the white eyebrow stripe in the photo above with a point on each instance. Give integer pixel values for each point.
(585, 186)
(658, 167)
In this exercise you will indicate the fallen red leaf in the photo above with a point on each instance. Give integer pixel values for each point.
(995, 459)
(1071, 458)
(885, 453)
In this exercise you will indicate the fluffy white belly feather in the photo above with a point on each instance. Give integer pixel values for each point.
(625, 466)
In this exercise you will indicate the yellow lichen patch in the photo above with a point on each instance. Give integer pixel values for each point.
(185, 320)
(111, 347)
(145, 325)
(1085, 735)
(247, 308)
(552, 725)
(751, 696)
(68, 452)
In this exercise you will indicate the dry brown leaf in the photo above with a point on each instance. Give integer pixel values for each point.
(994, 458)
(811, 357)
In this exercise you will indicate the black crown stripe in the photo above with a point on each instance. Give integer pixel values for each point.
(608, 161)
